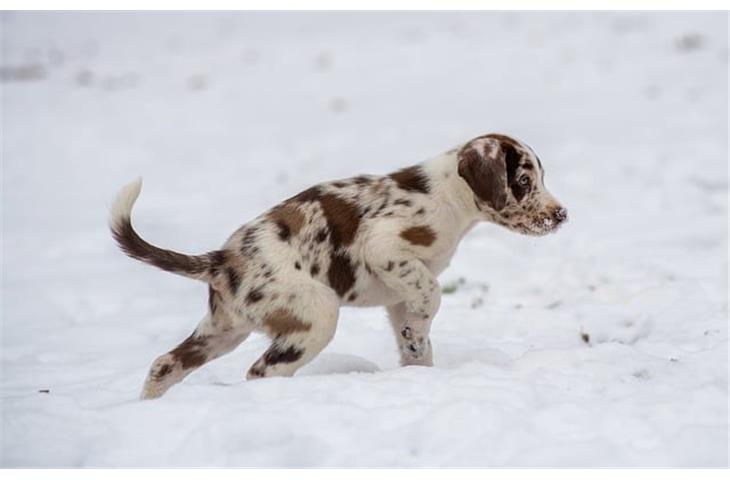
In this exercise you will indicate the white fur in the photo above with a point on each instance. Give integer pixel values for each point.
(124, 202)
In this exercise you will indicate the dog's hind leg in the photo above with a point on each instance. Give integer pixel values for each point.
(300, 329)
(215, 336)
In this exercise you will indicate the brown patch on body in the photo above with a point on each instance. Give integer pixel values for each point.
(420, 235)
(288, 219)
(343, 219)
(276, 354)
(190, 352)
(412, 179)
(283, 322)
(341, 275)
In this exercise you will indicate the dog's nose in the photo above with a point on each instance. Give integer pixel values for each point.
(561, 214)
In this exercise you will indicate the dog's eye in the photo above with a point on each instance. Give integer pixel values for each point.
(524, 180)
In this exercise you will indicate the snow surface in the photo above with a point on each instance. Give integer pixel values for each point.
(603, 345)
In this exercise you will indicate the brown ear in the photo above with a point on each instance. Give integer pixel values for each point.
(482, 166)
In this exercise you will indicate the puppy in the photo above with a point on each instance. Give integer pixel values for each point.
(364, 241)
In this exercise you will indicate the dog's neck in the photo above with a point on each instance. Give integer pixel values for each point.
(460, 211)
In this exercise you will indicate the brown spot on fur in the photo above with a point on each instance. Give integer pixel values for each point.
(284, 231)
(321, 236)
(164, 370)
(234, 279)
(342, 219)
(412, 179)
(248, 242)
(352, 297)
(420, 235)
(361, 180)
(254, 296)
(283, 322)
(402, 201)
(382, 207)
(275, 354)
(288, 219)
(314, 270)
(217, 259)
(340, 274)
(190, 352)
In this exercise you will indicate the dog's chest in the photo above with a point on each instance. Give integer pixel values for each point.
(442, 256)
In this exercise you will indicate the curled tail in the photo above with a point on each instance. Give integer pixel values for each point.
(200, 267)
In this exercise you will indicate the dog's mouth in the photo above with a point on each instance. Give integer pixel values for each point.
(538, 225)
(544, 225)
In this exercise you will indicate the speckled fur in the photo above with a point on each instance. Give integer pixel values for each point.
(364, 241)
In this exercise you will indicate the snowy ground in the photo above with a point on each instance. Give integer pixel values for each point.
(603, 345)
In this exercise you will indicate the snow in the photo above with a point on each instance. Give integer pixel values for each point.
(605, 344)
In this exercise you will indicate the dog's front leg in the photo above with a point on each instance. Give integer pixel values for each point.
(411, 319)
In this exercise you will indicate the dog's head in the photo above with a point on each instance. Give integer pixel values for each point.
(506, 178)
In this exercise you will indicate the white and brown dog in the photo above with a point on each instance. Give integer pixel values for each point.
(365, 241)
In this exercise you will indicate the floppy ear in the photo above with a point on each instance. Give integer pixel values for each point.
(482, 165)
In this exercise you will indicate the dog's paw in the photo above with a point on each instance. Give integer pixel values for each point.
(151, 390)
(417, 351)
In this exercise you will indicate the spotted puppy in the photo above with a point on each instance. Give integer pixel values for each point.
(365, 241)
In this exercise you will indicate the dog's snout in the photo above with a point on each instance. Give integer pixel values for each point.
(560, 214)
